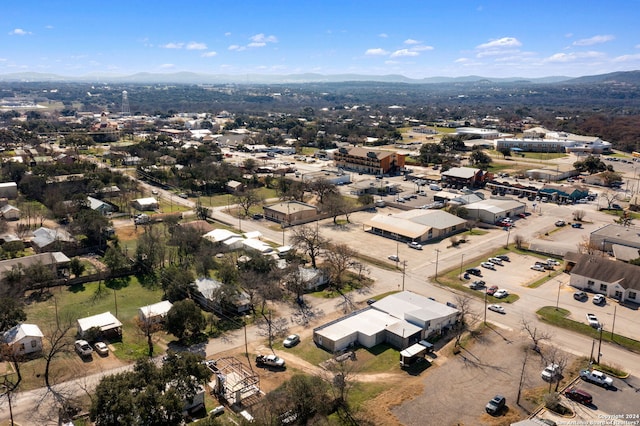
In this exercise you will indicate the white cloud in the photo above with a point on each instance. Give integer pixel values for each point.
(173, 46)
(167, 66)
(461, 60)
(209, 54)
(383, 35)
(572, 57)
(376, 52)
(261, 38)
(504, 42)
(421, 48)
(256, 44)
(598, 39)
(627, 58)
(411, 41)
(227, 34)
(19, 31)
(49, 27)
(403, 52)
(196, 46)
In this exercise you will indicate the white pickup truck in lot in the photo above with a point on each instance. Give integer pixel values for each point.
(596, 377)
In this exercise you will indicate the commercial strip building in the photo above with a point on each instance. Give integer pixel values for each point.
(493, 210)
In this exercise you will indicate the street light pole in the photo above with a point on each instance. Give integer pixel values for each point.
(437, 254)
(558, 299)
(461, 262)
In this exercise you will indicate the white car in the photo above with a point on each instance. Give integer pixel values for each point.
(415, 245)
(501, 294)
(496, 308)
(101, 348)
(488, 265)
(393, 257)
(553, 262)
(537, 268)
(593, 321)
(598, 299)
(495, 261)
(550, 373)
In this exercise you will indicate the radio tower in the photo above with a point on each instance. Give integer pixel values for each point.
(125, 103)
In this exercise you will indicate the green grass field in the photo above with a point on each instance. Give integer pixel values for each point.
(82, 301)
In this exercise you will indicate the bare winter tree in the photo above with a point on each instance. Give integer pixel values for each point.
(467, 319)
(588, 247)
(340, 258)
(308, 240)
(322, 187)
(248, 199)
(534, 334)
(59, 340)
(553, 355)
(610, 197)
(578, 215)
(519, 241)
(9, 383)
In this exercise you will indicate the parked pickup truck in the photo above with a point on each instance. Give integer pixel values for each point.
(596, 377)
(269, 361)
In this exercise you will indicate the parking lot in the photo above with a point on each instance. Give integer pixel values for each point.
(619, 403)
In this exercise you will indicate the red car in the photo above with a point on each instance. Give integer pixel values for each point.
(491, 290)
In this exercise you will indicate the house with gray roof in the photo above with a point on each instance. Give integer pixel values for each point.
(47, 239)
(604, 275)
(212, 296)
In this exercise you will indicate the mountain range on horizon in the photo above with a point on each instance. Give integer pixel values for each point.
(629, 77)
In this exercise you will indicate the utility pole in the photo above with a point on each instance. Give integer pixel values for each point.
(437, 254)
(485, 306)
(614, 321)
(404, 268)
(600, 343)
(461, 262)
(558, 299)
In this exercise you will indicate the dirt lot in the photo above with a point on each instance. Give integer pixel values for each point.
(456, 392)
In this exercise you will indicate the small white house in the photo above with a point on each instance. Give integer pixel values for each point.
(144, 204)
(154, 314)
(9, 212)
(24, 339)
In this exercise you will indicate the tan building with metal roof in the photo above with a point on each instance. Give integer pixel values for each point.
(416, 225)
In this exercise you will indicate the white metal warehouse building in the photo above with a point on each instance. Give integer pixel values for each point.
(401, 319)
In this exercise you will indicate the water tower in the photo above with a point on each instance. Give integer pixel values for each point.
(125, 103)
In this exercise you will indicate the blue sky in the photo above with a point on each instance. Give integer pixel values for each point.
(494, 38)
